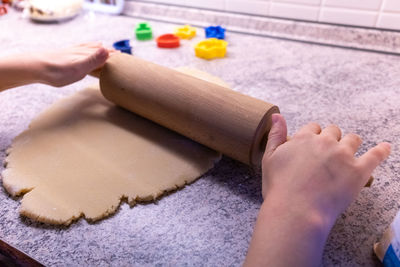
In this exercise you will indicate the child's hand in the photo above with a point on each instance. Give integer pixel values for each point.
(72, 64)
(54, 68)
(307, 182)
(317, 169)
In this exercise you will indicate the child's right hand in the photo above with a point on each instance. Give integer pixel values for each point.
(316, 170)
(307, 182)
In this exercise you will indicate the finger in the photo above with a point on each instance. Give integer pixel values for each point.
(91, 44)
(373, 157)
(96, 60)
(353, 141)
(113, 52)
(277, 135)
(312, 127)
(332, 131)
(95, 73)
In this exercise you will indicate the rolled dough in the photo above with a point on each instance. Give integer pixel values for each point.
(84, 155)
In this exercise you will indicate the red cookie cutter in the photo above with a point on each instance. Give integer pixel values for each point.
(3, 10)
(168, 40)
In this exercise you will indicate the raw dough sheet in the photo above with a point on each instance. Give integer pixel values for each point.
(84, 155)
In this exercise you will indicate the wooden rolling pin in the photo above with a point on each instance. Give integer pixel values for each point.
(222, 119)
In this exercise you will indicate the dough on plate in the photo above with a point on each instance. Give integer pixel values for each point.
(84, 155)
(50, 10)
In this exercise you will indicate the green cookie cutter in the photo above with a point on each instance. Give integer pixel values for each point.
(144, 31)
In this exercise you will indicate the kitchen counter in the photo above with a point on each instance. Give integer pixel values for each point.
(210, 221)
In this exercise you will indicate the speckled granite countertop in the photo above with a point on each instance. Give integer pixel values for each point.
(210, 222)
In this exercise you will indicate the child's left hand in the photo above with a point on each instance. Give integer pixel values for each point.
(72, 64)
(57, 68)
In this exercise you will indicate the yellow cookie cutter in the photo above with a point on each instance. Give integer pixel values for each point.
(211, 48)
(185, 32)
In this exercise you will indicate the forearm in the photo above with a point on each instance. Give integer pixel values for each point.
(287, 235)
(20, 70)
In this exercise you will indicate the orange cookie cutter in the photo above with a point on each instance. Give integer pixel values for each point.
(211, 48)
(185, 32)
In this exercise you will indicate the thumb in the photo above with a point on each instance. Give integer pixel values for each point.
(277, 135)
(97, 59)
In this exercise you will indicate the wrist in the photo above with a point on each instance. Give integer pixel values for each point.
(39, 69)
(286, 228)
(30, 68)
(303, 215)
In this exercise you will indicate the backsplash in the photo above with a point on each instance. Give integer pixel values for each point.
(383, 14)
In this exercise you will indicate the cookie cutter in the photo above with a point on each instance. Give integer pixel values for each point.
(168, 40)
(211, 48)
(123, 46)
(144, 32)
(185, 32)
(3, 10)
(215, 32)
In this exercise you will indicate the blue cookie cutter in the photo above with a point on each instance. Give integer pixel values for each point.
(215, 32)
(123, 46)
